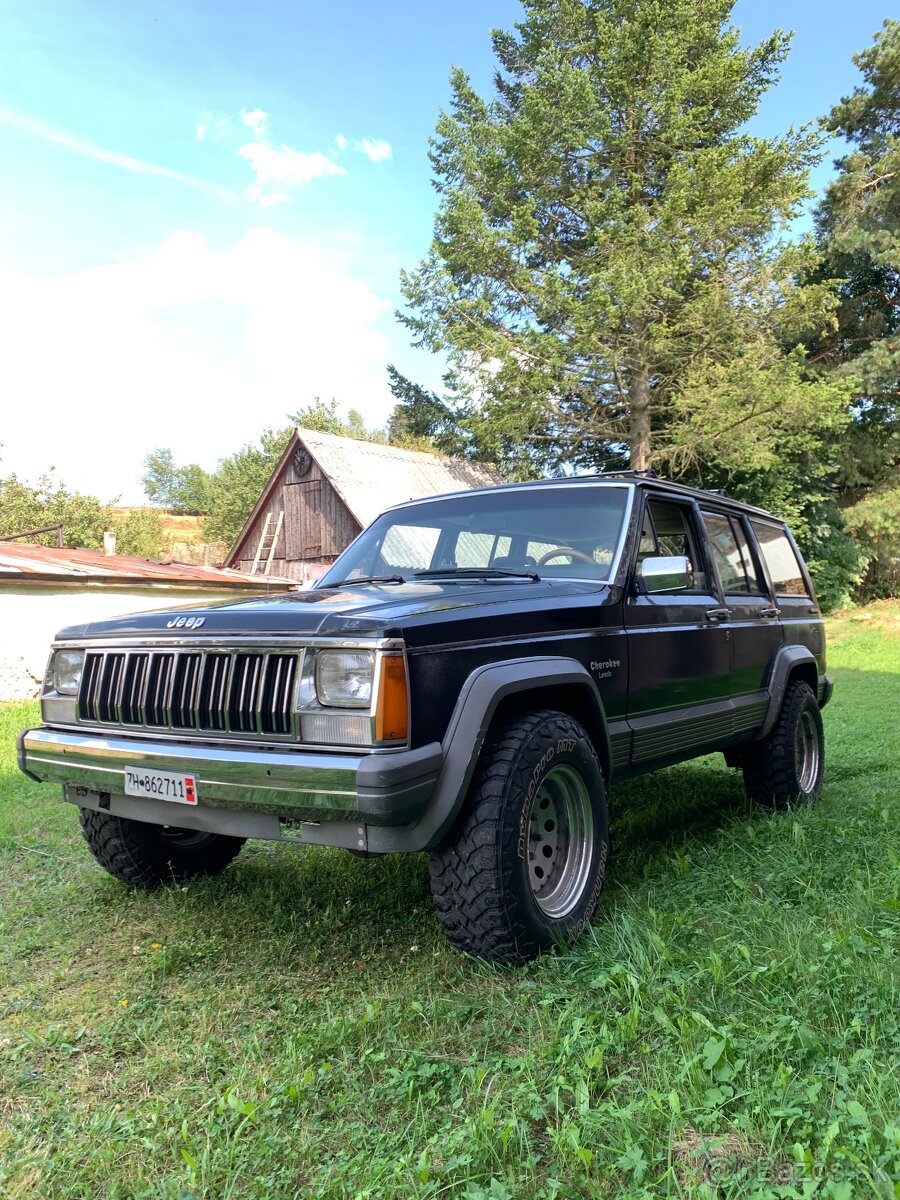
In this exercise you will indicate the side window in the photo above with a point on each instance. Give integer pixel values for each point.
(787, 578)
(757, 585)
(734, 561)
(648, 538)
(726, 553)
(671, 534)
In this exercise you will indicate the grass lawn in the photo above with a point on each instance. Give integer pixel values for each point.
(299, 1028)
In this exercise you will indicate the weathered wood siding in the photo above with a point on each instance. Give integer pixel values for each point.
(317, 522)
(247, 550)
(317, 525)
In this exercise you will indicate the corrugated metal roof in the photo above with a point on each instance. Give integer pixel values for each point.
(25, 561)
(370, 477)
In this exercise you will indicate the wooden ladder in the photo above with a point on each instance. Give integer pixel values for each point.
(268, 540)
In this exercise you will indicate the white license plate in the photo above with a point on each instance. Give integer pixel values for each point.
(161, 785)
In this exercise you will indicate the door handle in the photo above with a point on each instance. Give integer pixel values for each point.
(770, 612)
(716, 615)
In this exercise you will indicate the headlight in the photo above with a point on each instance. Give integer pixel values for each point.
(66, 672)
(344, 678)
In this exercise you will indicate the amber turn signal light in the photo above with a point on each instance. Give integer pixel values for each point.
(392, 710)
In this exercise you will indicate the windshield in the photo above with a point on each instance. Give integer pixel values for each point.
(559, 532)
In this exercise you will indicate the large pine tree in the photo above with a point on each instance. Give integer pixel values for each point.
(606, 274)
(859, 231)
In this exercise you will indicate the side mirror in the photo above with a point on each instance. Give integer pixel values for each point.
(666, 574)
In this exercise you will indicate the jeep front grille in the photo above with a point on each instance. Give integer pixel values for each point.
(204, 691)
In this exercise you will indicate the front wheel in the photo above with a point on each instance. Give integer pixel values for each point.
(523, 868)
(787, 766)
(146, 856)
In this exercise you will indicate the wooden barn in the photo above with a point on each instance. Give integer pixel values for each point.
(326, 489)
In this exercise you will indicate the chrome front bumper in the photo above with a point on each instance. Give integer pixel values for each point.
(380, 789)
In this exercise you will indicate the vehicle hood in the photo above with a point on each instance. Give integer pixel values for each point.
(412, 610)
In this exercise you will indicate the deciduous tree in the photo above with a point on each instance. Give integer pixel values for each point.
(184, 489)
(50, 502)
(238, 483)
(141, 532)
(325, 418)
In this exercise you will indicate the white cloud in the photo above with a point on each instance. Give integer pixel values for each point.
(257, 120)
(188, 347)
(211, 127)
(266, 199)
(76, 145)
(376, 151)
(279, 170)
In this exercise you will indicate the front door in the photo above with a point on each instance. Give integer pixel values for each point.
(679, 645)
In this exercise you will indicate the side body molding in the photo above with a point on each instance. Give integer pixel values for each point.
(481, 695)
(786, 659)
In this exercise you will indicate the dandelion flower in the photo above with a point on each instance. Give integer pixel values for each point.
(124, 1001)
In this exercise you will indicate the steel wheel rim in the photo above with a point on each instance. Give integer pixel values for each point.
(806, 752)
(560, 842)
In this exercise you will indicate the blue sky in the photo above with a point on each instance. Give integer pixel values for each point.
(204, 208)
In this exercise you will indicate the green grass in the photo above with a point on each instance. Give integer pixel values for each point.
(729, 1027)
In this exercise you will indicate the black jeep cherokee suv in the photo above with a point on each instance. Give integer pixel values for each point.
(468, 678)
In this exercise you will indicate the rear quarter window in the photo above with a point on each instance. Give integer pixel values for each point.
(731, 552)
(781, 559)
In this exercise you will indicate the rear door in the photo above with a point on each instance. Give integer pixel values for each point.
(679, 647)
(756, 631)
(791, 587)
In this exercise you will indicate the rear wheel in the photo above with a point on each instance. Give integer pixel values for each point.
(146, 856)
(787, 766)
(523, 869)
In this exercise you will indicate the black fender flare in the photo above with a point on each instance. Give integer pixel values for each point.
(787, 658)
(481, 695)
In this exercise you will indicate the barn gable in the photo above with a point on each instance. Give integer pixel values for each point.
(326, 489)
(299, 519)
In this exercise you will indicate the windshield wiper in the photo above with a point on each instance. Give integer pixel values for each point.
(477, 573)
(363, 579)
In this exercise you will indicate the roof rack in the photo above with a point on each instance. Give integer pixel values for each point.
(649, 473)
(642, 473)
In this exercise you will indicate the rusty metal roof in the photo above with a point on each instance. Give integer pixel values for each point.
(26, 562)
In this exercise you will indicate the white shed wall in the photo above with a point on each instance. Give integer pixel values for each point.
(31, 616)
